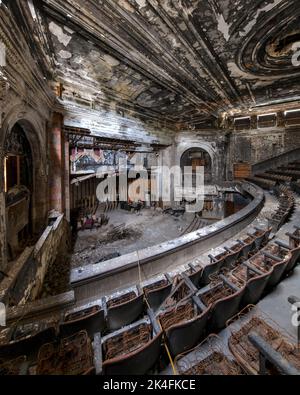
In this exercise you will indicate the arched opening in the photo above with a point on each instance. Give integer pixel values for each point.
(18, 188)
(194, 157)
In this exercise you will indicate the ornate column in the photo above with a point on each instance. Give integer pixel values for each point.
(67, 178)
(57, 165)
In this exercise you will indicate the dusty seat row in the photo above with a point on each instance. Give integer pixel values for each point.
(286, 205)
(179, 311)
(269, 179)
(257, 345)
(230, 290)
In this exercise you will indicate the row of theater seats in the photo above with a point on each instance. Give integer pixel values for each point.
(280, 181)
(127, 329)
(257, 345)
(285, 208)
(242, 283)
(262, 182)
(296, 187)
(271, 178)
(275, 177)
(202, 299)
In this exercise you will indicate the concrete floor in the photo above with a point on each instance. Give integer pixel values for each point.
(271, 204)
(148, 228)
(145, 229)
(276, 304)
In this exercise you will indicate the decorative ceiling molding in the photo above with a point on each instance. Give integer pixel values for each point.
(181, 62)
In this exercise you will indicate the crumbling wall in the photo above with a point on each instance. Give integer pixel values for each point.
(257, 145)
(25, 98)
(26, 277)
(115, 124)
(226, 148)
(54, 239)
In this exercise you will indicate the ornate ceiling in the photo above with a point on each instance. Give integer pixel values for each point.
(177, 60)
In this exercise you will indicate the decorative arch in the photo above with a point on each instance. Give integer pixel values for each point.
(30, 122)
(198, 157)
(183, 147)
(34, 129)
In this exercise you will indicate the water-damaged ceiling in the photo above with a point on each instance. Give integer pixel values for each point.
(179, 60)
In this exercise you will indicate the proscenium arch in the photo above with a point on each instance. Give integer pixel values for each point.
(207, 147)
(198, 154)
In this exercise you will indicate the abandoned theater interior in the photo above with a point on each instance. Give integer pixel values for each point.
(149, 187)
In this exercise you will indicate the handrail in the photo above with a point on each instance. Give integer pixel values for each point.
(267, 353)
(155, 258)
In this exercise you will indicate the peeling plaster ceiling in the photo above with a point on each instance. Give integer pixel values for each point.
(178, 60)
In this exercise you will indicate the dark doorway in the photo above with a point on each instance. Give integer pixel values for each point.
(18, 176)
(198, 157)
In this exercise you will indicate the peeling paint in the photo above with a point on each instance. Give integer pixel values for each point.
(141, 3)
(65, 54)
(126, 5)
(252, 23)
(171, 46)
(31, 8)
(236, 72)
(182, 26)
(67, 29)
(111, 61)
(62, 37)
(223, 26)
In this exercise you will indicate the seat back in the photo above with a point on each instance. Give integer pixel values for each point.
(224, 309)
(254, 289)
(92, 320)
(210, 269)
(124, 313)
(156, 297)
(138, 362)
(184, 336)
(28, 345)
